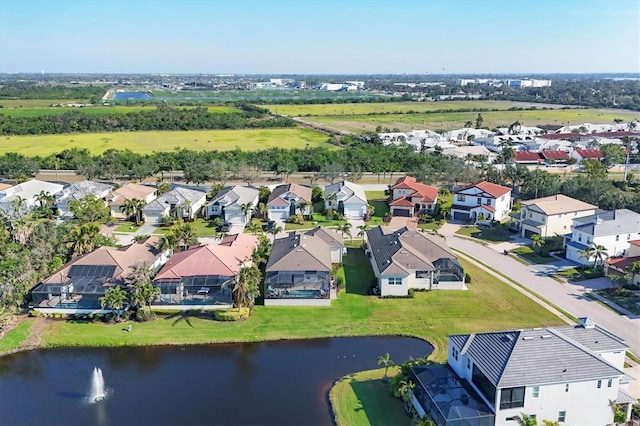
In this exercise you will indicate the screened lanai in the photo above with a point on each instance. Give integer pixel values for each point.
(297, 284)
(195, 290)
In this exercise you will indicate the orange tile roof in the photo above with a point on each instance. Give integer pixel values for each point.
(428, 193)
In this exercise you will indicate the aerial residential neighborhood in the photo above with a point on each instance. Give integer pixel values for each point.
(418, 213)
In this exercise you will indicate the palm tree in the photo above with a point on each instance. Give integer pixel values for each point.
(387, 362)
(275, 230)
(185, 234)
(18, 206)
(525, 420)
(303, 205)
(169, 242)
(362, 229)
(537, 242)
(45, 199)
(254, 228)
(247, 287)
(143, 294)
(114, 298)
(263, 210)
(130, 209)
(84, 238)
(247, 209)
(597, 252)
(344, 229)
(163, 187)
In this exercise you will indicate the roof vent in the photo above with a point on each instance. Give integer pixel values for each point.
(546, 336)
(527, 338)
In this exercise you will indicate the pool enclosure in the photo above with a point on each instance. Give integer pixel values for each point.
(195, 290)
(297, 285)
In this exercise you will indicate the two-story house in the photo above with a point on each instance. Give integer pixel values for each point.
(410, 197)
(484, 201)
(613, 229)
(286, 200)
(550, 216)
(347, 198)
(570, 374)
(404, 259)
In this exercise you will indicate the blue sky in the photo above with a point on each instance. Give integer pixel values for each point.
(316, 37)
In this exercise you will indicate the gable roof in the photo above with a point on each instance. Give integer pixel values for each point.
(589, 153)
(347, 192)
(29, 189)
(123, 258)
(176, 196)
(224, 259)
(299, 252)
(538, 356)
(555, 155)
(492, 189)
(558, 204)
(427, 193)
(403, 250)
(611, 222)
(79, 190)
(289, 191)
(237, 194)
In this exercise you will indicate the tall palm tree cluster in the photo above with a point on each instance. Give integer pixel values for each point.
(133, 209)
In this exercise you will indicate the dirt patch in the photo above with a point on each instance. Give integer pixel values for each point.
(35, 335)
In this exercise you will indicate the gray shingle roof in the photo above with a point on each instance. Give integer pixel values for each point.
(346, 192)
(329, 236)
(299, 253)
(535, 356)
(176, 196)
(236, 194)
(79, 190)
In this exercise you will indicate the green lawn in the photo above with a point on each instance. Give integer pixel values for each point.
(494, 234)
(487, 305)
(17, 336)
(454, 120)
(149, 142)
(581, 274)
(127, 226)
(363, 399)
(528, 253)
(318, 220)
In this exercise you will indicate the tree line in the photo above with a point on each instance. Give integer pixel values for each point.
(37, 90)
(164, 117)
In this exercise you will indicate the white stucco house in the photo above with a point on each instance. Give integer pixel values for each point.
(550, 216)
(228, 203)
(78, 191)
(27, 191)
(613, 229)
(404, 259)
(180, 202)
(128, 192)
(570, 374)
(481, 201)
(285, 201)
(347, 198)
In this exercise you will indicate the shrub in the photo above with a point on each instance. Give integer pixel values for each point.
(110, 317)
(34, 313)
(125, 315)
(231, 314)
(143, 315)
(297, 219)
(467, 277)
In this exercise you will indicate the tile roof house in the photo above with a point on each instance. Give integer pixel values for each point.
(410, 197)
(555, 157)
(404, 259)
(620, 266)
(549, 216)
(204, 275)
(570, 374)
(613, 229)
(587, 154)
(180, 202)
(228, 203)
(130, 191)
(482, 201)
(78, 285)
(527, 157)
(298, 271)
(28, 191)
(347, 198)
(78, 191)
(285, 200)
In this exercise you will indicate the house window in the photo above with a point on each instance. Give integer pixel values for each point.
(395, 281)
(511, 398)
(579, 237)
(617, 237)
(530, 215)
(488, 203)
(536, 391)
(599, 384)
(454, 353)
(468, 363)
(588, 241)
(562, 415)
(479, 200)
(460, 197)
(609, 383)
(566, 387)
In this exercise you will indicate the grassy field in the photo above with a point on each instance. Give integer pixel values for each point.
(487, 305)
(115, 109)
(36, 103)
(148, 142)
(363, 399)
(389, 107)
(15, 337)
(454, 120)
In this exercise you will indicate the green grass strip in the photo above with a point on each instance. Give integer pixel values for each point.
(17, 336)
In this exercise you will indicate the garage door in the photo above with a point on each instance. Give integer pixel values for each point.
(528, 233)
(279, 215)
(461, 216)
(152, 218)
(400, 212)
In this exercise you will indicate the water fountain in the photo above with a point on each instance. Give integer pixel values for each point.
(98, 391)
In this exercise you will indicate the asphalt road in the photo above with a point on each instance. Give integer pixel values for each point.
(567, 296)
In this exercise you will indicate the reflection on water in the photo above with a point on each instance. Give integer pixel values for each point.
(280, 383)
